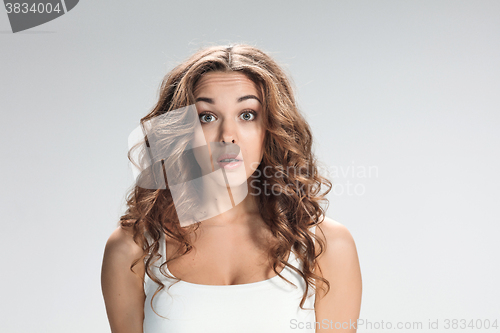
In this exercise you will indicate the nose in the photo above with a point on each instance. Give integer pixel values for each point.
(228, 132)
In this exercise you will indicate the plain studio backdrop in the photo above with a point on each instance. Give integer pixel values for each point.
(403, 101)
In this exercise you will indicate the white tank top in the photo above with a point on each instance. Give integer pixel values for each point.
(270, 306)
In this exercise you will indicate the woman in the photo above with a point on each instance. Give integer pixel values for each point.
(220, 231)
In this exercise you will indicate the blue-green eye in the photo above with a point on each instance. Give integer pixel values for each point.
(250, 115)
(204, 115)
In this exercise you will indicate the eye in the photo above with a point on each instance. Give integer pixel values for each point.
(248, 115)
(206, 117)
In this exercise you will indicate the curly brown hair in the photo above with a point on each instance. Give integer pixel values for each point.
(287, 145)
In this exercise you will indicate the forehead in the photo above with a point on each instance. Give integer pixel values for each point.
(214, 82)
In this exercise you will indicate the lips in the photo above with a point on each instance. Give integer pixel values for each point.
(228, 155)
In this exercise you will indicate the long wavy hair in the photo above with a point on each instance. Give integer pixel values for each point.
(287, 145)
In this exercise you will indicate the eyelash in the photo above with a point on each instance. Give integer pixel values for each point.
(211, 114)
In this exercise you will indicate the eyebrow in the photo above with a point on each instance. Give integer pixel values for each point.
(241, 99)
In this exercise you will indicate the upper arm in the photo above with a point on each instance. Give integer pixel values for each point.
(339, 309)
(123, 289)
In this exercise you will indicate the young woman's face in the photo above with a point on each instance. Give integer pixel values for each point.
(229, 108)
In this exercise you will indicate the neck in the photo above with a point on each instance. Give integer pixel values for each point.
(224, 206)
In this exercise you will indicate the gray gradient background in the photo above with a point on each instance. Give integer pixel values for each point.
(410, 87)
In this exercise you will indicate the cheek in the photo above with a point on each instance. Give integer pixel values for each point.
(198, 139)
(259, 142)
(253, 149)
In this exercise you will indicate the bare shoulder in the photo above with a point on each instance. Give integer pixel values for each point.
(336, 236)
(339, 260)
(121, 245)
